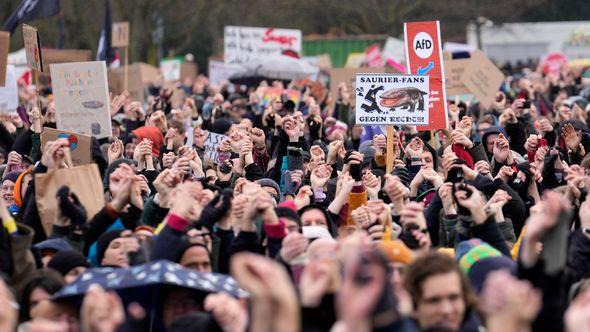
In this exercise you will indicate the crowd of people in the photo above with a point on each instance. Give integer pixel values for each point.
(482, 225)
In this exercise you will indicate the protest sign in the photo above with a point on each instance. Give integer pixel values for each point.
(482, 78)
(32, 47)
(140, 76)
(241, 44)
(4, 46)
(272, 94)
(393, 49)
(391, 99)
(424, 57)
(188, 69)
(63, 56)
(373, 55)
(80, 144)
(348, 76)
(220, 72)
(83, 180)
(170, 68)
(211, 144)
(9, 92)
(120, 34)
(454, 70)
(82, 97)
(553, 62)
(355, 60)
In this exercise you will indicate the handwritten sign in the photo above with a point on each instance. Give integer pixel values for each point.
(9, 93)
(272, 94)
(211, 144)
(454, 70)
(120, 34)
(170, 68)
(4, 44)
(482, 78)
(32, 47)
(82, 97)
(241, 44)
(80, 144)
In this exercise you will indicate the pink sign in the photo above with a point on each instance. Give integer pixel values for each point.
(553, 62)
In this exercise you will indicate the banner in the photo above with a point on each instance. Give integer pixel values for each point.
(170, 68)
(120, 34)
(424, 57)
(80, 144)
(32, 47)
(211, 144)
(9, 92)
(241, 44)
(220, 72)
(4, 47)
(272, 94)
(82, 97)
(391, 99)
(482, 78)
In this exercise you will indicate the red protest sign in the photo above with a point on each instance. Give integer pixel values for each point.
(424, 57)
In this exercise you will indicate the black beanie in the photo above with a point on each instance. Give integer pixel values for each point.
(184, 245)
(221, 126)
(66, 260)
(286, 212)
(103, 243)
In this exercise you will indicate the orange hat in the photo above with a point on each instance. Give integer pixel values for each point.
(396, 251)
(18, 199)
(152, 133)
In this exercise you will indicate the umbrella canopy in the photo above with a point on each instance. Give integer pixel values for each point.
(278, 67)
(160, 272)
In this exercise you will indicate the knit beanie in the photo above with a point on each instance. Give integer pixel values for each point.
(152, 133)
(66, 260)
(103, 243)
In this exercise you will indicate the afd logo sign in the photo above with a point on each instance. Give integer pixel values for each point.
(423, 45)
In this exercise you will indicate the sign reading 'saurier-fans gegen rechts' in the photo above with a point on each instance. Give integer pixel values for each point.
(391, 99)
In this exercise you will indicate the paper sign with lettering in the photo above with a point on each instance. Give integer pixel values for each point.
(391, 99)
(220, 72)
(9, 92)
(82, 97)
(32, 47)
(4, 45)
(482, 78)
(211, 144)
(170, 68)
(454, 70)
(272, 94)
(424, 57)
(120, 34)
(80, 144)
(241, 44)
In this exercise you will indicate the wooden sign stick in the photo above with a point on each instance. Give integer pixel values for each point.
(389, 154)
(126, 67)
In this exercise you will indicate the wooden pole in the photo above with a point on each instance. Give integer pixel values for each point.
(126, 65)
(389, 156)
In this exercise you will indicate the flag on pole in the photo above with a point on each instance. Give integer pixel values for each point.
(105, 50)
(30, 10)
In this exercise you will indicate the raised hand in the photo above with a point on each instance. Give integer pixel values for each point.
(570, 137)
(502, 153)
(115, 150)
(101, 311)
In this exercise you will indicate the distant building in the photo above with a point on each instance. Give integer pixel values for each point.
(512, 42)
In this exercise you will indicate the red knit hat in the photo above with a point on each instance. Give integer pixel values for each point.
(153, 134)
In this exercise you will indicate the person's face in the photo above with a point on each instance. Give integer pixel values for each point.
(116, 253)
(53, 312)
(2, 159)
(129, 148)
(196, 258)
(357, 131)
(7, 192)
(246, 124)
(179, 302)
(74, 273)
(291, 226)
(116, 131)
(178, 140)
(398, 271)
(481, 128)
(37, 295)
(427, 159)
(272, 192)
(441, 303)
(565, 112)
(490, 142)
(277, 105)
(314, 217)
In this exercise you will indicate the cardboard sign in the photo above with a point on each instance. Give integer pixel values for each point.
(170, 68)
(241, 44)
(9, 92)
(211, 144)
(51, 56)
(80, 144)
(82, 97)
(4, 46)
(482, 78)
(348, 76)
(32, 47)
(272, 94)
(554, 62)
(120, 34)
(454, 70)
(424, 57)
(391, 99)
(220, 72)
(140, 76)
(188, 70)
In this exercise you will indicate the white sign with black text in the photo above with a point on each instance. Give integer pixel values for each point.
(391, 99)
(241, 44)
